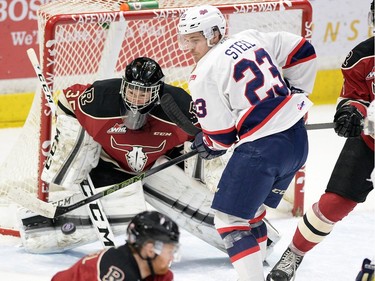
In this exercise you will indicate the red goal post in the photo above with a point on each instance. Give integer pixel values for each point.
(87, 40)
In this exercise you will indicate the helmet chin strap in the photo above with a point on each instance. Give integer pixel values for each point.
(149, 262)
(150, 266)
(209, 43)
(213, 36)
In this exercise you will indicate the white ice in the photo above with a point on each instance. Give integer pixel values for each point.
(337, 258)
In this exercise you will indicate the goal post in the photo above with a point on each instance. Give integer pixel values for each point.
(87, 40)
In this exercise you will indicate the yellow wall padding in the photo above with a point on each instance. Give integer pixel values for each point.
(14, 108)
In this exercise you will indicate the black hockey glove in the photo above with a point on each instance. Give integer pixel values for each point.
(348, 121)
(204, 151)
(367, 271)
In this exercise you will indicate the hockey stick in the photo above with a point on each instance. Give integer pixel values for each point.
(319, 126)
(49, 210)
(46, 90)
(177, 116)
(97, 215)
(174, 113)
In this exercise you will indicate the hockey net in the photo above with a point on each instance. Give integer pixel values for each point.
(88, 40)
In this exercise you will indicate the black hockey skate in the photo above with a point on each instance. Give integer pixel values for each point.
(286, 267)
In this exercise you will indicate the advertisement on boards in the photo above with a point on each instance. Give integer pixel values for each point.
(338, 25)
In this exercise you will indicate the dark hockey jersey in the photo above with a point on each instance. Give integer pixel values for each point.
(358, 70)
(98, 108)
(112, 264)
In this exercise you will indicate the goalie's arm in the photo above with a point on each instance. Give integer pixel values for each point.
(68, 99)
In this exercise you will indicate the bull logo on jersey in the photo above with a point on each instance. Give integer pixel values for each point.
(371, 75)
(136, 155)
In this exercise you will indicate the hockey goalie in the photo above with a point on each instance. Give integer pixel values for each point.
(107, 132)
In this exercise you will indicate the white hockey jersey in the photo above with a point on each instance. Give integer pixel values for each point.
(240, 91)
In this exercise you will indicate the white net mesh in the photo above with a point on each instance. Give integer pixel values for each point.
(86, 40)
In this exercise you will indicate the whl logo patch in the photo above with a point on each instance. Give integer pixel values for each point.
(117, 129)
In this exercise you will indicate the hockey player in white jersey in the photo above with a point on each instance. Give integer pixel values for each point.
(250, 92)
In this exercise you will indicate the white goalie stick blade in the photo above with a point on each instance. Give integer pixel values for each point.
(32, 203)
(51, 210)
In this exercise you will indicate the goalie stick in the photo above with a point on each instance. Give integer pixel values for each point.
(50, 210)
(46, 90)
(100, 222)
(97, 215)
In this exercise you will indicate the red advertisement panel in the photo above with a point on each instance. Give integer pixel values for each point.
(18, 32)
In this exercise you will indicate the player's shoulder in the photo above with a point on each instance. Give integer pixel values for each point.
(101, 99)
(108, 86)
(363, 50)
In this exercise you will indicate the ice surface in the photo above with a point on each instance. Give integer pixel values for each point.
(337, 258)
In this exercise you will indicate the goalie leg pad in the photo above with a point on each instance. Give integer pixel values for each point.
(41, 235)
(73, 153)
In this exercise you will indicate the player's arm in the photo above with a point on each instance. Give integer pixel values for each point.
(351, 109)
(297, 58)
(85, 269)
(68, 99)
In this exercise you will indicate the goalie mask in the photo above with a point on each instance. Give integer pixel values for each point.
(140, 89)
(206, 19)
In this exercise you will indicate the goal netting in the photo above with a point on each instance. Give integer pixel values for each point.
(87, 40)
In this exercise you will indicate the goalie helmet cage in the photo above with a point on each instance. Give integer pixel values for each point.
(87, 40)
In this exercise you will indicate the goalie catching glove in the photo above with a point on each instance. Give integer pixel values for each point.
(348, 121)
(204, 151)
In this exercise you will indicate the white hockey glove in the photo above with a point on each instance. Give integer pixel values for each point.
(74, 153)
(370, 120)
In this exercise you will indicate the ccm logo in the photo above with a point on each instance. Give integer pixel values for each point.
(278, 191)
(162, 134)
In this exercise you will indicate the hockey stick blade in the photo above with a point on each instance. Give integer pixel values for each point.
(177, 116)
(319, 126)
(50, 210)
(174, 113)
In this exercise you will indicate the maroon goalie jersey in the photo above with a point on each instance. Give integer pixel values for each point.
(99, 109)
(358, 70)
